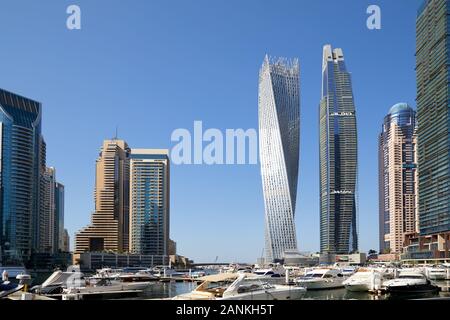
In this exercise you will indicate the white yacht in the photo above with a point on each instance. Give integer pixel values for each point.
(438, 273)
(322, 278)
(107, 286)
(265, 274)
(211, 288)
(257, 290)
(410, 282)
(365, 280)
(226, 286)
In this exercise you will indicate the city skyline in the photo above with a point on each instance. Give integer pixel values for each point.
(233, 107)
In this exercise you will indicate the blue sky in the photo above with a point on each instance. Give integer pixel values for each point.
(150, 67)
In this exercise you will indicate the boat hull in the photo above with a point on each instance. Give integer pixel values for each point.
(412, 289)
(321, 285)
(360, 287)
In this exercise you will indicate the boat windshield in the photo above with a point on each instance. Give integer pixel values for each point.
(410, 277)
(313, 275)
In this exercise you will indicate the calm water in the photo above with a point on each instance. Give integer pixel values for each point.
(167, 290)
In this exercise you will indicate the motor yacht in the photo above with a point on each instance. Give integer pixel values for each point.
(410, 282)
(106, 286)
(59, 280)
(365, 280)
(258, 290)
(322, 278)
(227, 286)
(437, 273)
(211, 288)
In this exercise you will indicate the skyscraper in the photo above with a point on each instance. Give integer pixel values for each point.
(47, 211)
(433, 115)
(279, 140)
(21, 147)
(59, 215)
(149, 201)
(110, 220)
(398, 176)
(338, 157)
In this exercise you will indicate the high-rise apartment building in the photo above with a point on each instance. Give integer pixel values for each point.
(279, 142)
(398, 178)
(21, 146)
(47, 211)
(149, 201)
(59, 217)
(433, 115)
(433, 134)
(108, 230)
(338, 157)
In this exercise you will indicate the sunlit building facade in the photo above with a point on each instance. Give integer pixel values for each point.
(338, 157)
(279, 140)
(21, 144)
(398, 178)
(108, 230)
(149, 201)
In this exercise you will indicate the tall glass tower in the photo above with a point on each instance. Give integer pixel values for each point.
(398, 178)
(149, 201)
(433, 115)
(279, 139)
(338, 157)
(21, 152)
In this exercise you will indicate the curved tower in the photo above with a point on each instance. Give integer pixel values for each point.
(338, 157)
(279, 139)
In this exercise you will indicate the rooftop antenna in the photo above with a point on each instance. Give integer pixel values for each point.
(117, 133)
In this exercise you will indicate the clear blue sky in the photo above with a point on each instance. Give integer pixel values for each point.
(154, 66)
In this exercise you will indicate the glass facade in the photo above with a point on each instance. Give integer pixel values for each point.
(20, 151)
(59, 217)
(433, 101)
(338, 157)
(279, 141)
(149, 202)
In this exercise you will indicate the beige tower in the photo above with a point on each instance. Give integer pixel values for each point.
(398, 178)
(108, 230)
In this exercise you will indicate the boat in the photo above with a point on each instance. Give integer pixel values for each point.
(141, 276)
(105, 286)
(7, 288)
(365, 280)
(166, 272)
(410, 282)
(211, 288)
(322, 278)
(59, 280)
(258, 290)
(437, 273)
(233, 286)
(348, 271)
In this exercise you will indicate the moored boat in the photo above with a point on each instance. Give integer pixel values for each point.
(410, 282)
(322, 278)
